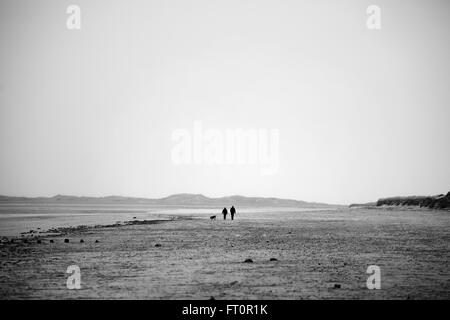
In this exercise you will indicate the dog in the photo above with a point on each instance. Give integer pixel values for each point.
(212, 217)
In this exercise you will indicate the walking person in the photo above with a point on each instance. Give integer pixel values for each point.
(224, 212)
(233, 212)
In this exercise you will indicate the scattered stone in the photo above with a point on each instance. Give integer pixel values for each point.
(158, 245)
(39, 241)
(273, 259)
(66, 240)
(51, 241)
(96, 241)
(81, 241)
(248, 261)
(337, 286)
(212, 298)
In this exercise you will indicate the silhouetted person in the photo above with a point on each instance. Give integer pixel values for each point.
(233, 212)
(224, 212)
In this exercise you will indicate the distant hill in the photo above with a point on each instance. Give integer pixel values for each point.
(439, 201)
(176, 199)
(433, 202)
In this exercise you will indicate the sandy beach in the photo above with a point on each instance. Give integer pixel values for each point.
(319, 255)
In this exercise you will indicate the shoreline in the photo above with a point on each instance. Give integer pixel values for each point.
(39, 233)
(64, 231)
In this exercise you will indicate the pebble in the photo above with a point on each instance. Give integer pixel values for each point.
(248, 261)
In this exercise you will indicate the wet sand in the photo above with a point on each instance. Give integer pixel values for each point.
(198, 258)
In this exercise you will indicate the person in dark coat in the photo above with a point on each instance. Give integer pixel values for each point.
(224, 212)
(233, 212)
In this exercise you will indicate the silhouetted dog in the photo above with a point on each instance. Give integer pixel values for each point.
(213, 217)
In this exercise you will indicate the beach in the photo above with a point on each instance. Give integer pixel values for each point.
(317, 254)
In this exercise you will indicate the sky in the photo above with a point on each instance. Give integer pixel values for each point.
(360, 114)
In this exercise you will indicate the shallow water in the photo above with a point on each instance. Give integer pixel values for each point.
(22, 217)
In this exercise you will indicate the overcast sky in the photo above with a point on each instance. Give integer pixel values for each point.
(361, 113)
